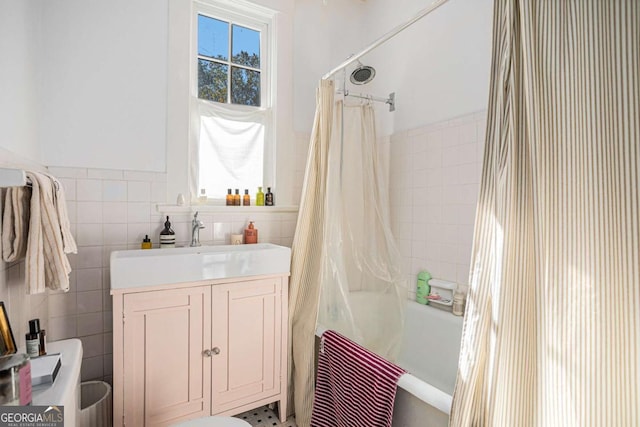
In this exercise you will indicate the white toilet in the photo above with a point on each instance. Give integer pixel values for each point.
(214, 422)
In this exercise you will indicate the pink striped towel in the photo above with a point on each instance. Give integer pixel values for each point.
(354, 387)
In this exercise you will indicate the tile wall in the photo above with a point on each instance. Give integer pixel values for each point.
(434, 185)
(113, 210)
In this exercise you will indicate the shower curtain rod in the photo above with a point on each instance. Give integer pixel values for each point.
(391, 100)
(424, 12)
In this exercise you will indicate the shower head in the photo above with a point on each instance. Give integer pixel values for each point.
(363, 74)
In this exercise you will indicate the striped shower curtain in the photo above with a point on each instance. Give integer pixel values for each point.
(552, 328)
(307, 249)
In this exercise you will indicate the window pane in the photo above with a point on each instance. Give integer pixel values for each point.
(245, 87)
(213, 38)
(245, 46)
(212, 81)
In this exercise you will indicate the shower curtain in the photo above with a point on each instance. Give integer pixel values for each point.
(345, 265)
(552, 328)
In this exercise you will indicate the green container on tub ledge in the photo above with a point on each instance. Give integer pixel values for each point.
(423, 288)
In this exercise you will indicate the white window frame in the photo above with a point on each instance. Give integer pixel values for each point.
(256, 18)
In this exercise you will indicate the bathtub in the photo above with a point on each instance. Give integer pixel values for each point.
(429, 354)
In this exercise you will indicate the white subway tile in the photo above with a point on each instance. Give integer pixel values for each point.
(468, 133)
(105, 174)
(61, 328)
(90, 324)
(88, 190)
(72, 211)
(141, 176)
(62, 304)
(89, 212)
(115, 234)
(69, 187)
(136, 233)
(107, 301)
(92, 368)
(89, 302)
(108, 343)
(139, 191)
(107, 317)
(89, 235)
(89, 257)
(114, 191)
(92, 345)
(468, 173)
(139, 212)
(65, 172)
(114, 212)
(108, 364)
(159, 193)
(221, 231)
(89, 279)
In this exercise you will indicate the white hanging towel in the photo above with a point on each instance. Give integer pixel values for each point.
(48, 236)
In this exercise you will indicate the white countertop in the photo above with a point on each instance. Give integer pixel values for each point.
(65, 389)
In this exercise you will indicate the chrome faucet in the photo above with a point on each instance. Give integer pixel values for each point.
(196, 225)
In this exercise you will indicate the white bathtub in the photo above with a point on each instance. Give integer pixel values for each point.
(430, 349)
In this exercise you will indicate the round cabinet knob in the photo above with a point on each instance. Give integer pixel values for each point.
(215, 350)
(206, 353)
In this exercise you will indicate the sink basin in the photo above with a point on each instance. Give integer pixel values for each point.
(149, 267)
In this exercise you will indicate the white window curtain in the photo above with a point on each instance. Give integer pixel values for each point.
(228, 148)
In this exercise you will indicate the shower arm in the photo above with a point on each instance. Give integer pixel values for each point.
(424, 12)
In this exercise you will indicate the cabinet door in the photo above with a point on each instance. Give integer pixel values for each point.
(166, 375)
(247, 331)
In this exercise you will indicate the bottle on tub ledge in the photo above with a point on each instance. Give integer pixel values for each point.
(250, 234)
(167, 236)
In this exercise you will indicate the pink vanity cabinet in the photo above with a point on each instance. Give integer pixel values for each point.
(196, 349)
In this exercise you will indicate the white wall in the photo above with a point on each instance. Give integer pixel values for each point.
(103, 70)
(19, 37)
(438, 68)
(324, 36)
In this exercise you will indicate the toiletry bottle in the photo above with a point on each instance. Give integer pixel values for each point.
(458, 303)
(236, 198)
(229, 198)
(43, 342)
(146, 243)
(268, 198)
(423, 288)
(202, 199)
(250, 234)
(167, 236)
(33, 339)
(246, 199)
(259, 197)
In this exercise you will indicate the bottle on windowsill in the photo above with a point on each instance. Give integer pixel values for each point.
(268, 198)
(246, 199)
(229, 198)
(259, 197)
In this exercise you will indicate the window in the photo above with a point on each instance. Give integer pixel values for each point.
(232, 143)
(228, 78)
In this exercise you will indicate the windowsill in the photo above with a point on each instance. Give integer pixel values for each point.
(224, 209)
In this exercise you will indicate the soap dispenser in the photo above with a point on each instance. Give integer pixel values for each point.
(250, 234)
(167, 236)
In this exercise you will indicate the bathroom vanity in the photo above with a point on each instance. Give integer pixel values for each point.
(208, 341)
